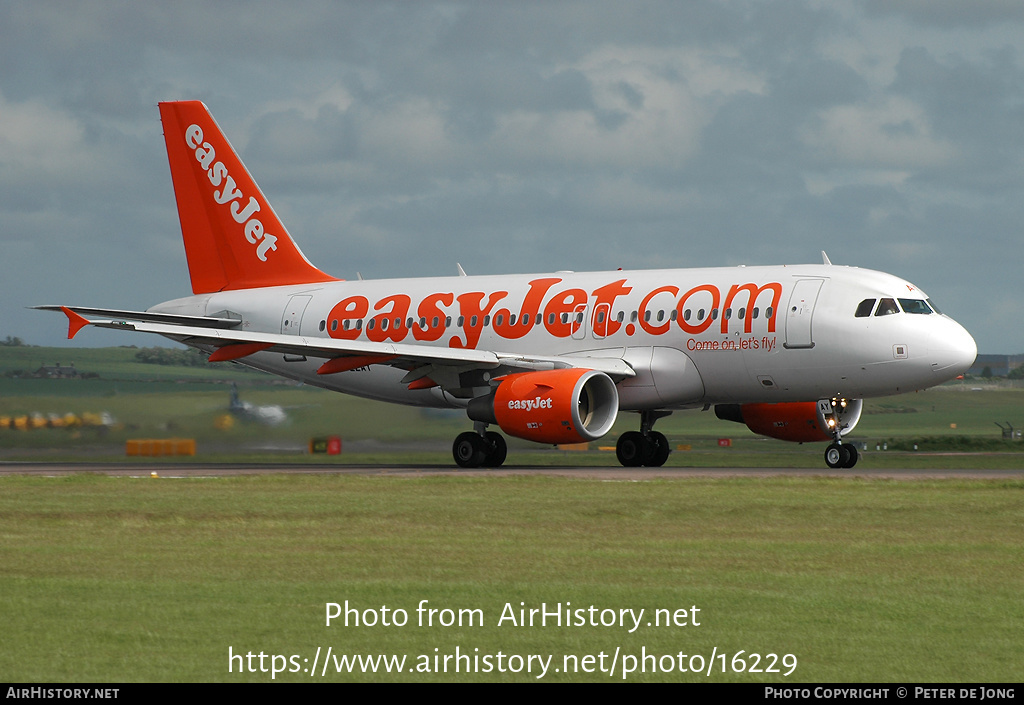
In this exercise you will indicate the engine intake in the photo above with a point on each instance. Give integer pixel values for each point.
(554, 406)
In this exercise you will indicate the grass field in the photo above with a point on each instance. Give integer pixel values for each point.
(138, 579)
(120, 579)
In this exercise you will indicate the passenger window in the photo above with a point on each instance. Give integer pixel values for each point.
(865, 308)
(914, 306)
(887, 307)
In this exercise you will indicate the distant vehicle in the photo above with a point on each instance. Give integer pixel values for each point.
(271, 414)
(790, 351)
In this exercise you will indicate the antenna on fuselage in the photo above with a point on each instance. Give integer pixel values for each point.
(825, 259)
(462, 272)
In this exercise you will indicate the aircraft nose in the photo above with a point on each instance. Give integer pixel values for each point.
(953, 349)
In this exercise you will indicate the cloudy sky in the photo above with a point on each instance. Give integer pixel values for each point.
(395, 139)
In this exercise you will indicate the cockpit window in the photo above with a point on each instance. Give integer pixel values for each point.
(934, 307)
(914, 306)
(887, 307)
(865, 308)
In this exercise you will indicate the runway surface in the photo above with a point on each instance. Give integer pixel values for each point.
(172, 470)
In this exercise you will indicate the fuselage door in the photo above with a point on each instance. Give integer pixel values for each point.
(579, 322)
(291, 320)
(801, 310)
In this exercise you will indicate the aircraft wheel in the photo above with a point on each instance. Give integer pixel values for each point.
(498, 450)
(469, 450)
(854, 455)
(630, 450)
(658, 450)
(836, 455)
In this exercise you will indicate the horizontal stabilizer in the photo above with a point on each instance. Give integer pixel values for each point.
(120, 314)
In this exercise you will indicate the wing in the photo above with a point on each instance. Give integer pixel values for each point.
(426, 365)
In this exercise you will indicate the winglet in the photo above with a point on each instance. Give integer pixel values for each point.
(76, 322)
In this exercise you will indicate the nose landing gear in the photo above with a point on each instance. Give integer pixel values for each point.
(841, 455)
(838, 454)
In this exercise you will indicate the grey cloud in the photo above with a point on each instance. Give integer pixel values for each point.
(978, 105)
(949, 14)
(397, 138)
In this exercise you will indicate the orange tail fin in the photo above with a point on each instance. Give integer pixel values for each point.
(233, 238)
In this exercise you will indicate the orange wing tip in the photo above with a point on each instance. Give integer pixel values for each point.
(76, 322)
(237, 350)
(344, 364)
(422, 383)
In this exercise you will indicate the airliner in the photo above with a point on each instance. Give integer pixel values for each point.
(789, 351)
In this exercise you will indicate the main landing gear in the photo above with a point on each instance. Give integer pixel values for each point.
(645, 447)
(479, 448)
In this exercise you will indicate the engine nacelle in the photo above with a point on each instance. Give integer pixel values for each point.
(555, 406)
(799, 422)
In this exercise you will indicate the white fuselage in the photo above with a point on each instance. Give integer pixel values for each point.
(693, 336)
